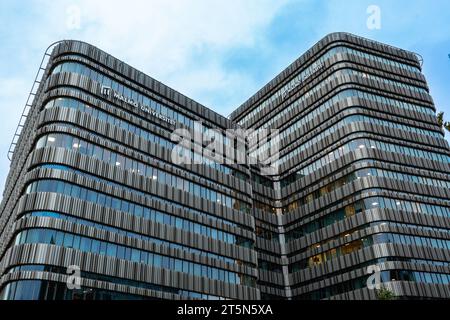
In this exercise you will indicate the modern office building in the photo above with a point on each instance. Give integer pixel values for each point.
(363, 180)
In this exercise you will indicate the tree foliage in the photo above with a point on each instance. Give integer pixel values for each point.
(385, 294)
(441, 122)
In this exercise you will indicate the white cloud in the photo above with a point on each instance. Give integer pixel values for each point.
(181, 43)
(165, 38)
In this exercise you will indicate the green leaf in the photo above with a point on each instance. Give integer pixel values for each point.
(385, 294)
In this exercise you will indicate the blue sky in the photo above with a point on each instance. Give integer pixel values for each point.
(216, 52)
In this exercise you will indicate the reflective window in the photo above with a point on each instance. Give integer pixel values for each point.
(132, 208)
(112, 250)
(129, 164)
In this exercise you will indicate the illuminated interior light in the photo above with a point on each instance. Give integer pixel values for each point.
(51, 139)
(76, 145)
(117, 163)
(154, 177)
(374, 203)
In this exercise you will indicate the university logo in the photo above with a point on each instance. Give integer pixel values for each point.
(106, 91)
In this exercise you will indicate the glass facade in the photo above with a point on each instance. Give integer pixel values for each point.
(100, 247)
(129, 207)
(50, 290)
(187, 227)
(66, 102)
(329, 54)
(363, 180)
(364, 174)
